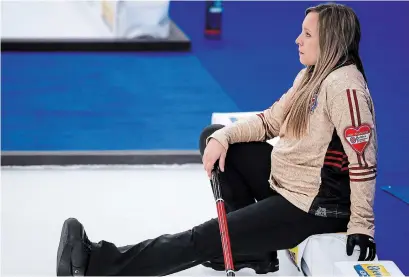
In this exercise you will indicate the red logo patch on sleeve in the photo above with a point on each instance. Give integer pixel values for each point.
(358, 137)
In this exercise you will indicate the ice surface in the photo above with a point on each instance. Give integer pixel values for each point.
(124, 205)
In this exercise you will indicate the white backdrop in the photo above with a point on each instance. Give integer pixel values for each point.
(84, 19)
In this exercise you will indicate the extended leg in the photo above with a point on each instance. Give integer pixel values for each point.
(268, 225)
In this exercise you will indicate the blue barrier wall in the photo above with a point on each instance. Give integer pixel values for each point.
(71, 101)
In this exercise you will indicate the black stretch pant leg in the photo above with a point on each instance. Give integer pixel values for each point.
(245, 179)
(247, 170)
(268, 225)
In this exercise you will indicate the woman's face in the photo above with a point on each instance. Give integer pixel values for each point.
(308, 40)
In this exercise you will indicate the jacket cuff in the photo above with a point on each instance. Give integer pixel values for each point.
(360, 230)
(220, 137)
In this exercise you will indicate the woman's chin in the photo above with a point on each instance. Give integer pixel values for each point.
(305, 62)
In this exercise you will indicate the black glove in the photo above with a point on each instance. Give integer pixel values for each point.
(366, 244)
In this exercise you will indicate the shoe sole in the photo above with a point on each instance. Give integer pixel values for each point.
(270, 270)
(256, 267)
(71, 229)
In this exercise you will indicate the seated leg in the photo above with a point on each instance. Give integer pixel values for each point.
(244, 182)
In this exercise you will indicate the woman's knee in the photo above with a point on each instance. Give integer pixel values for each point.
(207, 132)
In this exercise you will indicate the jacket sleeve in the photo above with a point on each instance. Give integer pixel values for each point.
(259, 127)
(353, 116)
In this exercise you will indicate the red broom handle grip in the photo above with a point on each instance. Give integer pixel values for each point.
(224, 231)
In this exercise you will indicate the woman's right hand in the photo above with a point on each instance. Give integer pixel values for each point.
(214, 151)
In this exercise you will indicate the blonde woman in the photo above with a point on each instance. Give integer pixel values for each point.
(319, 177)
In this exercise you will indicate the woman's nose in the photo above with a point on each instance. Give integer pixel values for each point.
(298, 40)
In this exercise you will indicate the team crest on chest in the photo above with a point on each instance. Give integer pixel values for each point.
(358, 137)
(314, 103)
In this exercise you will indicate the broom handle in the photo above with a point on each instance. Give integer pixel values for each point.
(221, 214)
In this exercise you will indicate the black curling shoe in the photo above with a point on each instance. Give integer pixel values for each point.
(74, 249)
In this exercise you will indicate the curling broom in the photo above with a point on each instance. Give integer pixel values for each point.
(221, 214)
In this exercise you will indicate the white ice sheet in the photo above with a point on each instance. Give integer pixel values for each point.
(123, 205)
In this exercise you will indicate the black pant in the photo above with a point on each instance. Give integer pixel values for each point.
(269, 224)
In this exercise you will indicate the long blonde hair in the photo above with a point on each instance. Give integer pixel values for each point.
(339, 37)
